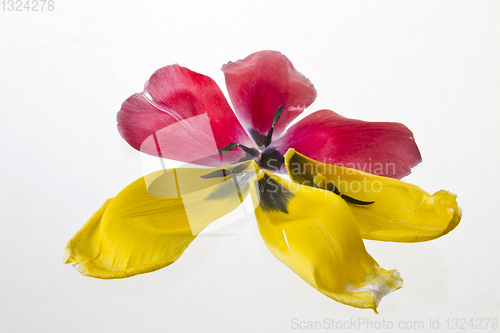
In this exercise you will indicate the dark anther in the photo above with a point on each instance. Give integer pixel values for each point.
(258, 138)
(355, 201)
(276, 117)
(330, 186)
(253, 153)
(227, 148)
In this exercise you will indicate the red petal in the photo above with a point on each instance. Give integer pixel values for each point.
(172, 95)
(259, 84)
(381, 148)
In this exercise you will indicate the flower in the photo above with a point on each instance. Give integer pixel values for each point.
(314, 224)
(181, 108)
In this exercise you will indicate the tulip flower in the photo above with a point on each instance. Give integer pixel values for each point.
(314, 223)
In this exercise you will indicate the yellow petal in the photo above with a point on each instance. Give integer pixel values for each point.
(400, 212)
(313, 232)
(150, 223)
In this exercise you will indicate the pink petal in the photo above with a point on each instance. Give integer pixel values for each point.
(156, 121)
(259, 84)
(381, 148)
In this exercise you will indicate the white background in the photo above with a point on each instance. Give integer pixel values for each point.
(433, 66)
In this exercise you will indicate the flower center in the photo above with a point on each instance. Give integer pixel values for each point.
(269, 159)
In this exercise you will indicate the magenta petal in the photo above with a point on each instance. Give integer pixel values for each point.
(259, 84)
(181, 115)
(382, 148)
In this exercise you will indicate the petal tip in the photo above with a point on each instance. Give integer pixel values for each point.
(67, 259)
(449, 200)
(81, 268)
(386, 283)
(454, 221)
(260, 83)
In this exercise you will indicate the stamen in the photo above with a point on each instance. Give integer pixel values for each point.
(322, 182)
(276, 117)
(355, 201)
(253, 153)
(227, 148)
